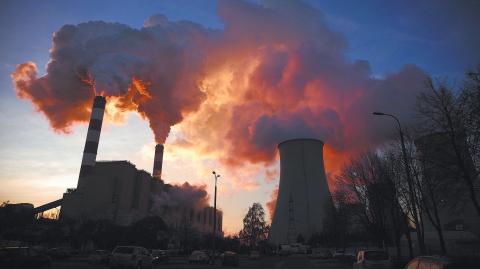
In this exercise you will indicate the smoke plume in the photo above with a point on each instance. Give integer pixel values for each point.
(275, 71)
(153, 70)
(180, 196)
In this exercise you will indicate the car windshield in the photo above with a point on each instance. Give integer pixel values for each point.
(376, 255)
(124, 250)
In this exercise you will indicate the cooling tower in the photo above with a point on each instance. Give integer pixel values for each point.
(157, 162)
(303, 202)
(91, 143)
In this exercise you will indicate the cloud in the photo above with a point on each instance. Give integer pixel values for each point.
(153, 70)
(276, 71)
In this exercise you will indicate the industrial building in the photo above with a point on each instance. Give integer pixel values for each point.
(115, 190)
(118, 191)
(304, 202)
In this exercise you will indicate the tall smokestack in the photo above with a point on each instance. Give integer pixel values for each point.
(157, 161)
(91, 143)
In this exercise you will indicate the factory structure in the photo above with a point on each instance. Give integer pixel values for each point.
(118, 191)
(304, 202)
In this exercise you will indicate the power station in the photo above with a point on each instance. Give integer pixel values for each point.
(304, 201)
(119, 192)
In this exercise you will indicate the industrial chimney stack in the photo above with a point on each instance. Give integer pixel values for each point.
(91, 143)
(157, 162)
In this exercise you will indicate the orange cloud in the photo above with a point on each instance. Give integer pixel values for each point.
(274, 72)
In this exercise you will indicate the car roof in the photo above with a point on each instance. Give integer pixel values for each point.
(434, 257)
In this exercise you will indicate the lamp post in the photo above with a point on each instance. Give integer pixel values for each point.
(214, 215)
(408, 172)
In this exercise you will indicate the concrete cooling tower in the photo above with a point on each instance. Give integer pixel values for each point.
(303, 202)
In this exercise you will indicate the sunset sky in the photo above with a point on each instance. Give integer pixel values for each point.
(230, 79)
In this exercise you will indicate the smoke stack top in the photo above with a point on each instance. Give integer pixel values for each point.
(92, 140)
(157, 161)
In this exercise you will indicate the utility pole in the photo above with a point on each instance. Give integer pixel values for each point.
(214, 216)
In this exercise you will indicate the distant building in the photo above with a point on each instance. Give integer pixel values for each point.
(118, 191)
(198, 219)
(14, 215)
(459, 220)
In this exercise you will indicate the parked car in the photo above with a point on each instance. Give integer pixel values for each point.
(284, 249)
(254, 255)
(319, 253)
(230, 258)
(439, 262)
(198, 256)
(338, 254)
(58, 253)
(23, 257)
(130, 257)
(367, 259)
(159, 255)
(99, 257)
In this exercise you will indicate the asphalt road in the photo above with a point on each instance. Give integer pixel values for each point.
(290, 262)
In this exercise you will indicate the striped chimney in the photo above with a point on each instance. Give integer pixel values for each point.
(157, 162)
(91, 143)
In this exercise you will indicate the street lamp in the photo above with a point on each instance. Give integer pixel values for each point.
(214, 214)
(407, 167)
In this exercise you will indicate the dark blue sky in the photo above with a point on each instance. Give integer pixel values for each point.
(442, 37)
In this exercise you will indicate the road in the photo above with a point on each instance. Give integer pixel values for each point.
(290, 262)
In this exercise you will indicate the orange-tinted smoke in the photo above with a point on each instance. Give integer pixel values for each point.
(153, 70)
(274, 72)
(61, 107)
(303, 86)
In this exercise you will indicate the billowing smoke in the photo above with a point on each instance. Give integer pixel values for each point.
(153, 70)
(179, 197)
(273, 72)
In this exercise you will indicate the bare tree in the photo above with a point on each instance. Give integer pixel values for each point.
(442, 112)
(469, 100)
(367, 184)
